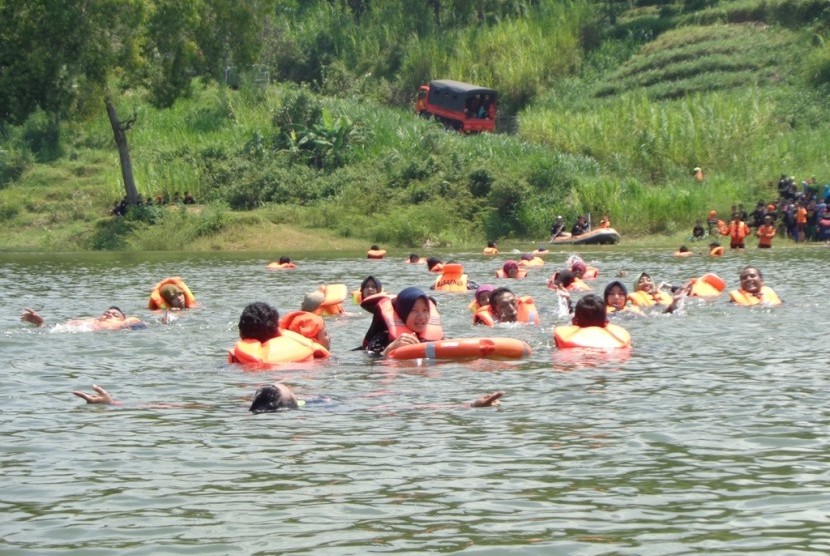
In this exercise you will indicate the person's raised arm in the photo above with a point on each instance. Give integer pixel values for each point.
(103, 397)
(487, 400)
(679, 296)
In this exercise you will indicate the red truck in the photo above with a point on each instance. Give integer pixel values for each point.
(461, 106)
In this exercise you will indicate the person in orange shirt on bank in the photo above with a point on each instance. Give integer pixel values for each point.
(765, 233)
(737, 231)
(800, 222)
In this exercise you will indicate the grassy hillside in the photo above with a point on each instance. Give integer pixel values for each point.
(613, 120)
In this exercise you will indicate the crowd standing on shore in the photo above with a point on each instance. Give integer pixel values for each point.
(799, 214)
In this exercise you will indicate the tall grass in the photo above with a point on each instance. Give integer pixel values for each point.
(725, 132)
(595, 135)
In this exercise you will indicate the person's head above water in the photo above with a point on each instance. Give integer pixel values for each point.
(273, 397)
(432, 261)
(563, 278)
(511, 269)
(645, 283)
(615, 295)
(751, 280)
(414, 258)
(284, 260)
(483, 293)
(113, 313)
(412, 305)
(590, 311)
(259, 321)
(504, 305)
(173, 296)
(370, 286)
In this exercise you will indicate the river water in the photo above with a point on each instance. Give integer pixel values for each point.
(711, 437)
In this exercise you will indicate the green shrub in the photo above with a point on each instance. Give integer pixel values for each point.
(41, 133)
(8, 211)
(13, 162)
(111, 234)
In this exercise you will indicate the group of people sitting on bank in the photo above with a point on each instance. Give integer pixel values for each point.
(121, 207)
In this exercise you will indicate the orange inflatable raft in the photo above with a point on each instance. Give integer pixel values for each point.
(464, 348)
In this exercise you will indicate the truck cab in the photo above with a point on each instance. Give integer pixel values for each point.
(460, 106)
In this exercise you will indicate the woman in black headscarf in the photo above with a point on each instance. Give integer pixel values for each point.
(409, 318)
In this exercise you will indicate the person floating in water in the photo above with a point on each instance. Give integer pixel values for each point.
(752, 290)
(409, 318)
(269, 398)
(111, 319)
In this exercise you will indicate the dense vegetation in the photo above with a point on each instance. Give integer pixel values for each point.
(300, 113)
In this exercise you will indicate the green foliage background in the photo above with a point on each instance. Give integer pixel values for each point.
(302, 111)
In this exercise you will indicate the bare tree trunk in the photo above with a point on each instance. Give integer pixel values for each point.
(119, 130)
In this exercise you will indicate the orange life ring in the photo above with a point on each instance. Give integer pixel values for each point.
(464, 348)
(376, 253)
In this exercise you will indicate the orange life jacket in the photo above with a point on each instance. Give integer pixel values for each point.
(578, 285)
(527, 313)
(452, 279)
(628, 308)
(158, 302)
(645, 299)
(708, 285)
(332, 303)
(738, 231)
(534, 262)
(288, 347)
(609, 336)
(766, 297)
